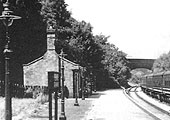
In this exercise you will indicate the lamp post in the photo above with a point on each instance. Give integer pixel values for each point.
(76, 77)
(62, 115)
(83, 91)
(7, 19)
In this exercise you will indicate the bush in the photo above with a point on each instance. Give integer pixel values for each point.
(35, 91)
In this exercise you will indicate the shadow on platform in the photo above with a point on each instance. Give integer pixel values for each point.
(41, 117)
(97, 94)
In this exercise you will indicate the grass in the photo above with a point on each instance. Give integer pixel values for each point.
(71, 112)
(31, 109)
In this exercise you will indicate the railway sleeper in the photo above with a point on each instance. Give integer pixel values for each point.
(143, 89)
(148, 92)
(161, 97)
(167, 97)
(154, 94)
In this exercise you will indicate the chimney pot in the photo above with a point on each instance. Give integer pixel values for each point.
(50, 38)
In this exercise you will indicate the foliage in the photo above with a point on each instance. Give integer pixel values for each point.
(86, 51)
(162, 63)
(28, 40)
(55, 14)
(84, 48)
(116, 63)
(28, 35)
(138, 73)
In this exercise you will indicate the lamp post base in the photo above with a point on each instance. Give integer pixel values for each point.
(76, 104)
(62, 117)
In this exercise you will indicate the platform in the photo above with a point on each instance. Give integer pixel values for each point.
(114, 105)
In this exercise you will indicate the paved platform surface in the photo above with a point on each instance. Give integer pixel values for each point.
(114, 105)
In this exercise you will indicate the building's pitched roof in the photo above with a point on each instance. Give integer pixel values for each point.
(34, 61)
(69, 61)
(40, 58)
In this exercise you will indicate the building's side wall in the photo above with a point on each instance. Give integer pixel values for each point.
(68, 67)
(36, 73)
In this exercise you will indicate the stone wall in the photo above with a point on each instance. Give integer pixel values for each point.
(36, 72)
(68, 74)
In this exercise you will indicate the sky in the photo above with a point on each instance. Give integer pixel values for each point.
(140, 28)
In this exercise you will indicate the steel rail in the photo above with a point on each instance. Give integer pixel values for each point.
(127, 94)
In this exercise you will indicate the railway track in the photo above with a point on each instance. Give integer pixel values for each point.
(154, 111)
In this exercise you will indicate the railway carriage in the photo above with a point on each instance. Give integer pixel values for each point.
(146, 81)
(143, 81)
(157, 85)
(166, 80)
(149, 80)
(157, 81)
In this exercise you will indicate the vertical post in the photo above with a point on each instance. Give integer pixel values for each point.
(53, 84)
(83, 97)
(78, 82)
(95, 83)
(7, 52)
(59, 70)
(91, 82)
(50, 86)
(50, 104)
(62, 115)
(8, 108)
(7, 19)
(76, 88)
(56, 104)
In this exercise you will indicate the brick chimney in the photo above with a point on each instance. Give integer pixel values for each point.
(50, 38)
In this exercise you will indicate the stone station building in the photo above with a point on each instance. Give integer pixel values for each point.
(36, 72)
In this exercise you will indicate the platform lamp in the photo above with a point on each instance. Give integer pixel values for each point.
(7, 19)
(76, 77)
(83, 80)
(62, 115)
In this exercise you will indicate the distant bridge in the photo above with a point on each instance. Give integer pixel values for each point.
(140, 63)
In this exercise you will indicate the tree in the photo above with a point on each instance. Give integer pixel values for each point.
(28, 35)
(28, 39)
(162, 63)
(114, 61)
(55, 14)
(116, 64)
(85, 49)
